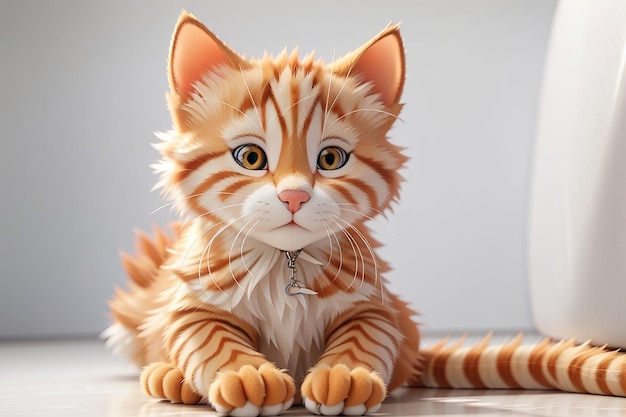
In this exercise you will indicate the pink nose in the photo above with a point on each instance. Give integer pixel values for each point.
(294, 199)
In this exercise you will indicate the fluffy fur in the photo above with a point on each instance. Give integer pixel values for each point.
(288, 156)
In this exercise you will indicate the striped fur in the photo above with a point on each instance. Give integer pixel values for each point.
(563, 365)
(275, 156)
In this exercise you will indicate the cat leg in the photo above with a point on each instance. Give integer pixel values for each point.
(351, 376)
(216, 355)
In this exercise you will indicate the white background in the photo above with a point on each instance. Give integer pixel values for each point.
(82, 90)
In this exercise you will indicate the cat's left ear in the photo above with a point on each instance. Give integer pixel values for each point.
(194, 52)
(380, 62)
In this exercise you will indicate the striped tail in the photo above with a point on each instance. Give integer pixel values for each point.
(563, 365)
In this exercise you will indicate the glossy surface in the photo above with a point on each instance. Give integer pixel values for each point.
(577, 230)
(81, 378)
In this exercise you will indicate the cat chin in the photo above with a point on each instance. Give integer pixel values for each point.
(289, 237)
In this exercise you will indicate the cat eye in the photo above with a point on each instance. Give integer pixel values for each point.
(250, 157)
(331, 158)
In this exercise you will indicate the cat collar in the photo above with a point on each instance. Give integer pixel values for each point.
(294, 287)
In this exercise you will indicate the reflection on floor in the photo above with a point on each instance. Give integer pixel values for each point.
(81, 378)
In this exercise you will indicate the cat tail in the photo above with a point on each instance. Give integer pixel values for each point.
(562, 365)
(130, 308)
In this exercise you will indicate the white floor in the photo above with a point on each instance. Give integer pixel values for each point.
(82, 379)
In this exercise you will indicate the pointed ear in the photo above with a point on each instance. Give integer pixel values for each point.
(380, 62)
(195, 51)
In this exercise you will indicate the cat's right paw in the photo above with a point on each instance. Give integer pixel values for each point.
(252, 392)
(163, 380)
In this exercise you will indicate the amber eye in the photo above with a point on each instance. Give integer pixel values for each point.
(250, 156)
(332, 157)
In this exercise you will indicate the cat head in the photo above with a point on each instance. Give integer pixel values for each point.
(285, 150)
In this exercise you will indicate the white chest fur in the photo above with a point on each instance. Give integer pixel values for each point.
(290, 327)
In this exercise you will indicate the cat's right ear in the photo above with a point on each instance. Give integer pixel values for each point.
(194, 52)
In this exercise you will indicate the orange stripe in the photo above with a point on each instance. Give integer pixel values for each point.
(344, 348)
(622, 382)
(309, 117)
(206, 185)
(227, 282)
(365, 188)
(470, 367)
(535, 363)
(169, 342)
(246, 104)
(188, 167)
(279, 115)
(358, 329)
(209, 339)
(343, 191)
(261, 106)
(234, 187)
(600, 376)
(575, 369)
(554, 352)
(438, 369)
(504, 363)
(221, 344)
(355, 317)
(294, 108)
(375, 166)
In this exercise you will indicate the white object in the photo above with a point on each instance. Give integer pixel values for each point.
(578, 203)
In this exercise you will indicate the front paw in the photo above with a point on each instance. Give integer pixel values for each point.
(339, 390)
(164, 380)
(252, 392)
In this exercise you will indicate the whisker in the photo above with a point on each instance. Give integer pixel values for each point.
(208, 229)
(230, 252)
(329, 231)
(343, 86)
(374, 258)
(375, 220)
(273, 119)
(243, 244)
(330, 81)
(256, 109)
(207, 250)
(207, 213)
(178, 200)
(374, 209)
(369, 247)
(355, 248)
(230, 106)
(210, 273)
(360, 110)
(330, 242)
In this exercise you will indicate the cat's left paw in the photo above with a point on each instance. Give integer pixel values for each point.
(251, 392)
(339, 390)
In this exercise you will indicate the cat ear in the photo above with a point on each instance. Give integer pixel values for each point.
(380, 62)
(194, 52)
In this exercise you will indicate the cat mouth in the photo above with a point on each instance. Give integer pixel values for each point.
(293, 225)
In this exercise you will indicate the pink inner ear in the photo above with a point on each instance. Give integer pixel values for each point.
(381, 64)
(195, 53)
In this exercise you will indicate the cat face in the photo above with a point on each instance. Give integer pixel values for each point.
(283, 150)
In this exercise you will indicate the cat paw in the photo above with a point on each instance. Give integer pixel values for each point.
(339, 390)
(252, 392)
(163, 380)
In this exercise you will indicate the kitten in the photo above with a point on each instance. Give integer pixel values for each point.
(271, 290)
